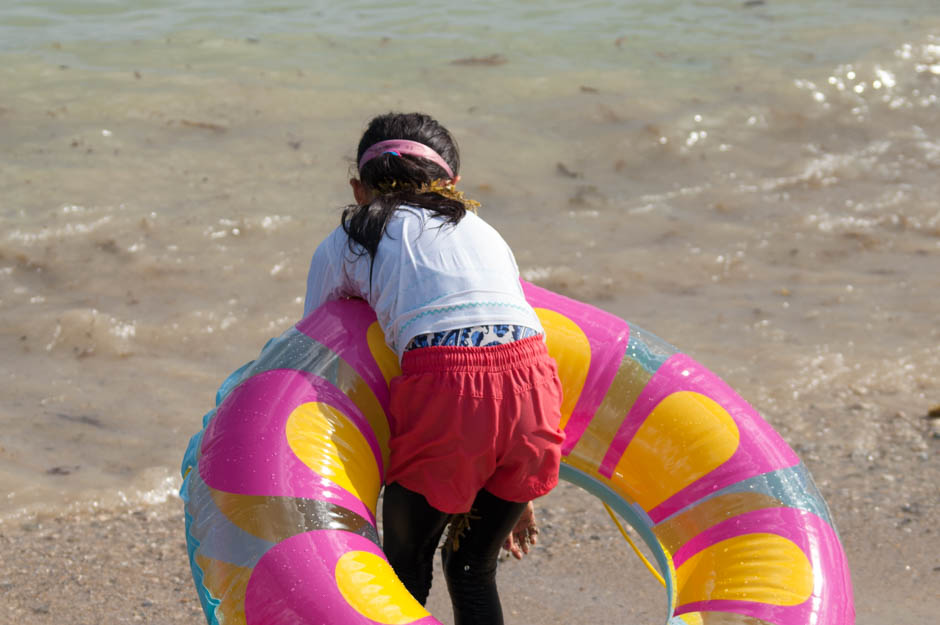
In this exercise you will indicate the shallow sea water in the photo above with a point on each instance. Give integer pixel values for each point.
(757, 183)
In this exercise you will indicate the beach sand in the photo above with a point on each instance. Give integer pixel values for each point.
(130, 566)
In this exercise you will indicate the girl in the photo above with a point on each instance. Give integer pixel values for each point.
(474, 415)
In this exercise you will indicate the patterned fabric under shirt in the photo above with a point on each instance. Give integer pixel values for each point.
(474, 336)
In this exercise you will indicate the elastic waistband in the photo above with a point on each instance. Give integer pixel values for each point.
(492, 358)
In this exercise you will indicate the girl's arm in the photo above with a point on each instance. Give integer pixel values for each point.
(327, 277)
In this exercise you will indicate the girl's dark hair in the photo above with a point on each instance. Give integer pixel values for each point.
(396, 178)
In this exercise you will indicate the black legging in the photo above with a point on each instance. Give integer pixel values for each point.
(413, 528)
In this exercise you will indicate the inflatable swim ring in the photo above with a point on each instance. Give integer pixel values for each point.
(281, 485)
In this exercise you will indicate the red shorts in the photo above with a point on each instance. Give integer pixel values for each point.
(466, 418)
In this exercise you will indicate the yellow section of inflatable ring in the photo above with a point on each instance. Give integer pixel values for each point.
(684, 438)
(385, 358)
(569, 346)
(358, 390)
(369, 585)
(766, 568)
(325, 440)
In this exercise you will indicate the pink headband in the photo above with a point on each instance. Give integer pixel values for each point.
(401, 146)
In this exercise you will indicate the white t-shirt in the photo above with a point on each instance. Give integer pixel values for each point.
(428, 276)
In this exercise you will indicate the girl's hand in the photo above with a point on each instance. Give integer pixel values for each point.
(524, 534)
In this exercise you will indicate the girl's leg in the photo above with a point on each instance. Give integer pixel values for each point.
(470, 570)
(412, 530)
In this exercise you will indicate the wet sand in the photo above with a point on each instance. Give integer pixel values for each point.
(130, 567)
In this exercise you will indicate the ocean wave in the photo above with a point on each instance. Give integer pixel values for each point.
(153, 486)
(908, 80)
(87, 331)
